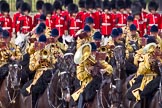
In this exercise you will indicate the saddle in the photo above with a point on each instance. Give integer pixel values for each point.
(4, 71)
(90, 90)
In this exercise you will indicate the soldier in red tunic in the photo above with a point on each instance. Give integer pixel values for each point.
(24, 23)
(17, 14)
(5, 19)
(121, 17)
(81, 13)
(65, 13)
(113, 12)
(58, 19)
(39, 5)
(90, 6)
(143, 13)
(153, 18)
(47, 10)
(128, 7)
(73, 23)
(97, 15)
(136, 12)
(106, 20)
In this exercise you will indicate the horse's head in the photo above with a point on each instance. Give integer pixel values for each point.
(119, 55)
(21, 40)
(67, 74)
(15, 75)
(71, 47)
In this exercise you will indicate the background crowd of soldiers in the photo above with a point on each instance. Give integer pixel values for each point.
(95, 25)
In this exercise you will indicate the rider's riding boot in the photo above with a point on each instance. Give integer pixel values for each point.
(80, 101)
(34, 99)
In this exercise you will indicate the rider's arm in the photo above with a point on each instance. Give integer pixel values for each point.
(81, 72)
(106, 66)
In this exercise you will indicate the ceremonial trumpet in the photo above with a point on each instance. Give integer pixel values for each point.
(103, 49)
(44, 54)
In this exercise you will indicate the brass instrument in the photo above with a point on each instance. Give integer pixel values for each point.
(83, 53)
(44, 54)
(103, 49)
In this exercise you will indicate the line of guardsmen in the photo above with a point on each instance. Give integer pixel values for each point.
(92, 34)
(106, 15)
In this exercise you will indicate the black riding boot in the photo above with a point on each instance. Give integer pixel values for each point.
(80, 101)
(34, 99)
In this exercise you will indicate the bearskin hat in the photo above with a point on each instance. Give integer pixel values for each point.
(57, 5)
(114, 33)
(113, 4)
(98, 3)
(67, 2)
(81, 3)
(5, 7)
(90, 4)
(18, 4)
(136, 8)
(120, 4)
(25, 7)
(39, 4)
(97, 36)
(143, 3)
(42, 38)
(153, 5)
(47, 8)
(72, 8)
(128, 3)
(106, 4)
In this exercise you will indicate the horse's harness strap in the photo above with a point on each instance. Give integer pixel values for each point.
(62, 73)
(66, 54)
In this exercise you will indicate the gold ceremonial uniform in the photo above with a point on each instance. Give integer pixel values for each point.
(144, 69)
(83, 73)
(40, 61)
(10, 50)
(56, 48)
(80, 42)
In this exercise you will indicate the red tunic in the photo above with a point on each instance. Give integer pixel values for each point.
(36, 17)
(80, 17)
(6, 23)
(121, 19)
(106, 24)
(59, 23)
(49, 23)
(74, 25)
(24, 24)
(140, 26)
(97, 19)
(15, 19)
(113, 15)
(152, 19)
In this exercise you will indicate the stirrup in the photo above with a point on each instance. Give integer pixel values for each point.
(28, 89)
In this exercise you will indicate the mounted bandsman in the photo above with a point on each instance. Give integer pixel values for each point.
(86, 59)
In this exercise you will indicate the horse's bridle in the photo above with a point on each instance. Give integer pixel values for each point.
(15, 94)
(160, 85)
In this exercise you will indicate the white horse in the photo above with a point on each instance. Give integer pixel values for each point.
(22, 42)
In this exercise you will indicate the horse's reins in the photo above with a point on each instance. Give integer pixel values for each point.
(160, 85)
(12, 100)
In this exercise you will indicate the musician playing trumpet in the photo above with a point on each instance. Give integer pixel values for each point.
(56, 48)
(8, 52)
(40, 61)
